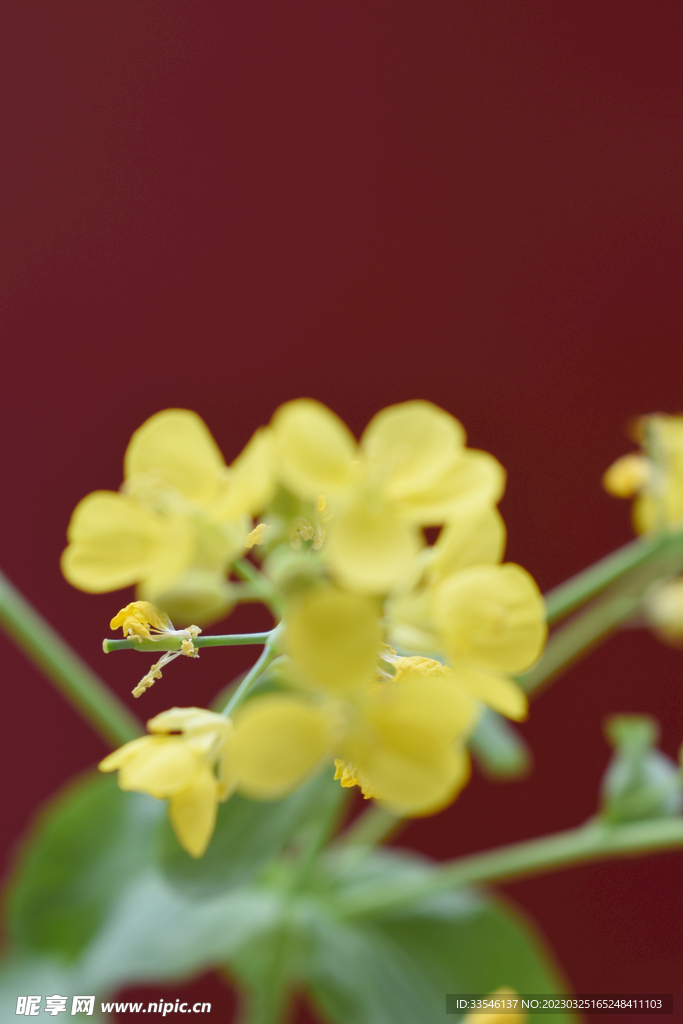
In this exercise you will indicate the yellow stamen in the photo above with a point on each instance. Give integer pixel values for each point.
(350, 776)
(138, 618)
(257, 535)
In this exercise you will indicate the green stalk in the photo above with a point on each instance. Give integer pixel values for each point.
(42, 645)
(597, 620)
(173, 643)
(371, 828)
(269, 653)
(595, 840)
(574, 592)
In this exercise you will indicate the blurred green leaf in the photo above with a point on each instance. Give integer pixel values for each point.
(83, 851)
(397, 969)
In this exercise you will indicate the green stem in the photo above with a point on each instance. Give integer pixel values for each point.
(603, 616)
(595, 840)
(269, 653)
(64, 668)
(372, 827)
(574, 592)
(575, 639)
(261, 587)
(173, 643)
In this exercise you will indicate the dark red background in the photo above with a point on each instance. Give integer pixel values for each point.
(226, 205)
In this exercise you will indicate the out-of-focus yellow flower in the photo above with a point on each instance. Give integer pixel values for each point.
(396, 732)
(663, 609)
(502, 1016)
(654, 477)
(193, 770)
(178, 522)
(488, 619)
(411, 469)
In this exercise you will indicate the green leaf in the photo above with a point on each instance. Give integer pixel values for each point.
(249, 833)
(83, 851)
(398, 969)
(89, 897)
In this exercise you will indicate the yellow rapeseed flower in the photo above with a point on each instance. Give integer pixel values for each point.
(509, 1014)
(395, 731)
(411, 469)
(488, 619)
(654, 476)
(192, 770)
(140, 621)
(179, 520)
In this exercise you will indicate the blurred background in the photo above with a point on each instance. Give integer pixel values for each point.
(222, 206)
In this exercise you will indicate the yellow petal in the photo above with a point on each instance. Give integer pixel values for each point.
(503, 1016)
(497, 692)
(473, 478)
(315, 449)
(278, 741)
(369, 549)
(192, 812)
(492, 617)
(112, 762)
(333, 638)
(411, 623)
(113, 543)
(410, 445)
(252, 477)
(475, 538)
(627, 475)
(162, 768)
(652, 512)
(405, 747)
(177, 444)
(138, 616)
(191, 720)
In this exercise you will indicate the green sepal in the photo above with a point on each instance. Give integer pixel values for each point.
(640, 782)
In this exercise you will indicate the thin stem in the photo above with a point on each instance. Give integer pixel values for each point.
(595, 840)
(574, 592)
(575, 639)
(173, 643)
(604, 615)
(261, 587)
(372, 827)
(64, 668)
(269, 653)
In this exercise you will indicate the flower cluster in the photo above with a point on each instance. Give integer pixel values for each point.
(334, 530)
(654, 475)
(654, 478)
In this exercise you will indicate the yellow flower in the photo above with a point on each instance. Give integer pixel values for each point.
(193, 770)
(395, 732)
(654, 477)
(411, 469)
(178, 522)
(140, 621)
(663, 610)
(509, 997)
(488, 619)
